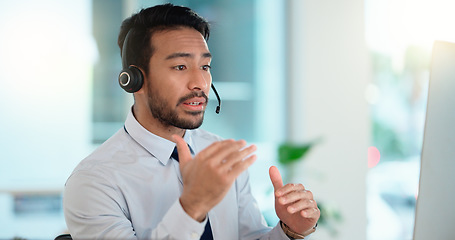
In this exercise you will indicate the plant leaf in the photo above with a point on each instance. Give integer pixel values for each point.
(289, 153)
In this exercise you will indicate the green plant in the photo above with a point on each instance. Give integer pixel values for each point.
(289, 153)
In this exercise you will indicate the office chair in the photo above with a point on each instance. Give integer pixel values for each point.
(63, 237)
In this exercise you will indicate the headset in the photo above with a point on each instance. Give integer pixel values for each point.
(131, 78)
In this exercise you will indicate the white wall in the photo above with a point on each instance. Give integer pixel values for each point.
(46, 55)
(328, 74)
(45, 61)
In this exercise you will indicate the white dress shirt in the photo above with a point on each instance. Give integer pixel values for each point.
(129, 188)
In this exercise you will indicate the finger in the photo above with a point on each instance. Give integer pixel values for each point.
(275, 177)
(229, 151)
(241, 166)
(289, 188)
(293, 196)
(235, 157)
(301, 205)
(182, 149)
(218, 151)
(314, 213)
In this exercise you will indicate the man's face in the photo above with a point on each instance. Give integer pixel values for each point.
(179, 79)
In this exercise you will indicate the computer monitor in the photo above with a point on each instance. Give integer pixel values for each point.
(435, 209)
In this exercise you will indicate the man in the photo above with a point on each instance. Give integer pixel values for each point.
(136, 185)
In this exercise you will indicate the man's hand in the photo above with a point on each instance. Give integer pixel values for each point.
(294, 205)
(208, 176)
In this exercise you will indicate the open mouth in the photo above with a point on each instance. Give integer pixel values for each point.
(196, 104)
(193, 103)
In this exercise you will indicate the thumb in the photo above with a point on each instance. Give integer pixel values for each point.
(275, 177)
(182, 149)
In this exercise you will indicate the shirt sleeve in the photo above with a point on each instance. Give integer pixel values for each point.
(186, 228)
(95, 209)
(278, 233)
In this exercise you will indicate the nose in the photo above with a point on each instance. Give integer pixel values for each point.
(200, 80)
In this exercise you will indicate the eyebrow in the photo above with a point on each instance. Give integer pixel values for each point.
(187, 55)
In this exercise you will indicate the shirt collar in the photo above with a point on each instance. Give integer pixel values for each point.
(157, 146)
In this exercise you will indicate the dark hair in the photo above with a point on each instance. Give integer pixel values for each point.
(150, 20)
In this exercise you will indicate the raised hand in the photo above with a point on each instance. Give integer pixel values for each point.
(208, 176)
(294, 205)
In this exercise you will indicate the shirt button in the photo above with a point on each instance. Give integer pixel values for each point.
(195, 235)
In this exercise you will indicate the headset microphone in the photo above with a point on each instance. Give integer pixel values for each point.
(218, 108)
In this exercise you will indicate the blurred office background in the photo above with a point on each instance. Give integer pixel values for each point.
(351, 74)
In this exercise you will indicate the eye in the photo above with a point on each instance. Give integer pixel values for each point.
(206, 67)
(179, 67)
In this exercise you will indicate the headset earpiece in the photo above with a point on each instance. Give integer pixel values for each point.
(130, 78)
